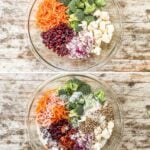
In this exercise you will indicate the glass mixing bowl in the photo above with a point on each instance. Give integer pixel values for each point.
(55, 82)
(56, 62)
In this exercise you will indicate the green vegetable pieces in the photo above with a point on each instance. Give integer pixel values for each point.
(100, 95)
(89, 8)
(100, 3)
(75, 85)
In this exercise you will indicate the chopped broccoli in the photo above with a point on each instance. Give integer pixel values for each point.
(81, 101)
(79, 14)
(85, 89)
(72, 5)
(74, 25)
(89, 18)
(79, 110)
(80, 5)
(73, 84)
(91, 2)
(69, 12)
(74, 121)
(62, 92)
(65, 2)
(84, 1)
(73, 17)
(71, 105)
(73, 113)
(89, 8)
(100, 3)
(100, 95)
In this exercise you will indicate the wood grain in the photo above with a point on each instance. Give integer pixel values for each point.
(133, 55)
(133, 90)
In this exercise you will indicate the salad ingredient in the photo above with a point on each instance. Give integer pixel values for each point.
(75, 85)
(80, 46)
(108, 112)
(57, 37)
(89, 8)
(65, 2)
(88, 125)
(61, 131)
(102, 30)
(100, 96)
(47, 18)
(59, 112)
(44, 100)
(100, 3)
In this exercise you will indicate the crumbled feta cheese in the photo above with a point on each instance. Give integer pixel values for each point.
(106, 38)
(97, 13)
(104, 15)
(110, 28)
(102, 26)
(110, 125)
(97, 50)
(105, 134)
(97, 146)
(97, 34)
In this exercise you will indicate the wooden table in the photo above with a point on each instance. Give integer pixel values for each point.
(127, 73)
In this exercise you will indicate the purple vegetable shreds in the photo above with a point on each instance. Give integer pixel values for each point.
(57, 38)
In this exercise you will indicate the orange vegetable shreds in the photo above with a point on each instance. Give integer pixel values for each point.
(50, 109)
(44, 100)
(59, 112)
(50, 14)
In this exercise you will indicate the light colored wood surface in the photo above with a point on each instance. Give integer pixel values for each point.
(133, 90)
(133, 55)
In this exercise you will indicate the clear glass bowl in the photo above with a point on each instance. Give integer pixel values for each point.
(113, 143)
(56, 62)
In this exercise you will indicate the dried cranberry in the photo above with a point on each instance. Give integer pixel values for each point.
(57, 38)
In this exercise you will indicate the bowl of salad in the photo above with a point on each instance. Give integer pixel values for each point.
(74, 112)
(74, 35)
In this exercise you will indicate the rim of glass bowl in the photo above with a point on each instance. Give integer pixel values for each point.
(56, 68)
(118, 115)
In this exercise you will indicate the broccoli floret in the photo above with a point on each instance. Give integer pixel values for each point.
(62, 92)
(100, 95)
(74, 25)
(73, 5)
(89, 8)
(100, 3)
(79, 110)
(81, 101)
(85, 89)
(73, 17)
(69, 12)
(65, 2)
(89, 19)
(73, 113)
(80, 5)
(79, 14)
(72, 85)
(84, 1)
(91, 2)
(71, 105)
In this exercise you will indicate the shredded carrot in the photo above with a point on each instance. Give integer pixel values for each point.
(44, 100)
(50, 109)
(59, 112)
(50, 14)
